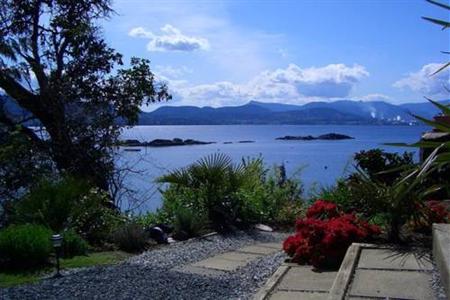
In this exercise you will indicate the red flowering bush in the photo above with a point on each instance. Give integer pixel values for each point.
(437, 212)
(322, 238)
(322, 209)
(432, 212)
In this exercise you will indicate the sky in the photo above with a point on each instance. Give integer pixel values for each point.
(226, 53)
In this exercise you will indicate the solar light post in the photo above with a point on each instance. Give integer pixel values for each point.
(57, 243)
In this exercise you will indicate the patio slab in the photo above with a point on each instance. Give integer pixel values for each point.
(259, 249)
(392, 284)
(290, 295)
(277, 246)
(219, 264)
(303, 278)
(238, 256)
(391, 259)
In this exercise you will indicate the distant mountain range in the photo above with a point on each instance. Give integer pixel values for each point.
(254, 112)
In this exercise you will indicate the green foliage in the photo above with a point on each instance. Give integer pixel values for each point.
(93, 217)
(25, 246)
(81, 89)
(288, 213)
(68, 203)
(383, 166)
(341, 194)
(73, 244)
(21, 164)
(130, 237)
(150, 218)
(400, 201)
(51, 203)
(188, 223)
(228, 194)
(9, 278)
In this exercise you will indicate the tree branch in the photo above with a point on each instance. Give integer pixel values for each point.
(36, 62)
(8, 122)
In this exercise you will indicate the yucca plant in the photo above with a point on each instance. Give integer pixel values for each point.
(404, 199)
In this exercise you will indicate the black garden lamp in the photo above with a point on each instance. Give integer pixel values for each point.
(57, 243)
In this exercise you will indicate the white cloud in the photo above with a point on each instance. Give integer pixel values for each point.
(171, 39)
(168, 71)
(375, 97)
(334, 80)
(290, 85)
(424, 82)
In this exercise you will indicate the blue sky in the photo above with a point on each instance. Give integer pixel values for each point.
(293, 51)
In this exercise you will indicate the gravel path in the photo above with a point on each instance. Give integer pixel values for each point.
(150, 275)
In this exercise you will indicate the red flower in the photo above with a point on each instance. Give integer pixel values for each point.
(322, 209)
(437, 212)
(323, 237)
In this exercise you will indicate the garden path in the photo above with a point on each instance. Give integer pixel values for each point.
(232, 260)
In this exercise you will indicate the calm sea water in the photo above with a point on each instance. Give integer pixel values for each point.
(316, 163)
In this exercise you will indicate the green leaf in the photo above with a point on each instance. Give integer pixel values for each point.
(441, 68)
(439, 4)
(438, 22)
(437, 125)
(444, 108)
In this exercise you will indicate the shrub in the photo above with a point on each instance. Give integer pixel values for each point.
(228, 194)
(73, 244)
(93, 219)
(188, 224)
(288, 213)
(383, 166)
(322, 238)
(130, 238)
(437, 212)
(342, 195)
(150, 219)
(433, 212)
(322, 210)
(25, 246)
(51, 203)
(69, 203)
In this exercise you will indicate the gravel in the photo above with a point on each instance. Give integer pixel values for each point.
(436, 284)
(154, 274)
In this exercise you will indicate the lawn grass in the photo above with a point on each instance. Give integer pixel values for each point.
(13, 278)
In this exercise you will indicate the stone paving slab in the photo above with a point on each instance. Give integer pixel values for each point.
(259, 249)
(290, 295)
(277, 246)
(230, 261)
(189, 269)
(393, 284)
(219, 264)
(390, 259)
(238, 256)
(303, 278)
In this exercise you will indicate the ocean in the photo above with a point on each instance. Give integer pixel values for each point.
(315, 163)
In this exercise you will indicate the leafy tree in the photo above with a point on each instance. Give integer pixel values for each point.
(55, 64)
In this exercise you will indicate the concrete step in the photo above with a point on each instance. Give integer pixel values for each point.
(441, 253)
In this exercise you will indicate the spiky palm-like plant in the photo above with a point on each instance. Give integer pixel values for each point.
(215, 179)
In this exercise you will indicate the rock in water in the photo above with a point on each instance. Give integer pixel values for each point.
(328, 136)
(334, 136)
